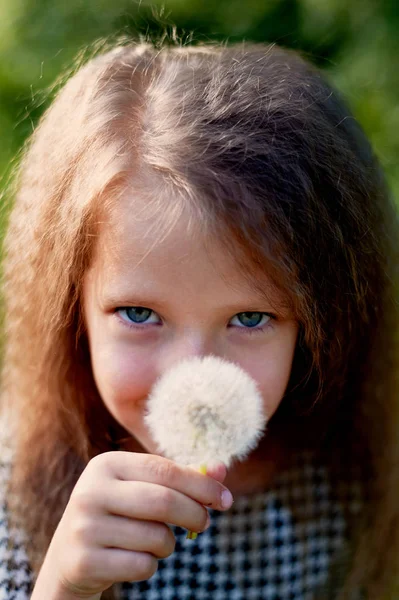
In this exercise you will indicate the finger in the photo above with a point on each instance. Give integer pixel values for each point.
(217, 470)
(129, 466)
(125, 565)
(104, 566)
(153, 502)
(128, 534)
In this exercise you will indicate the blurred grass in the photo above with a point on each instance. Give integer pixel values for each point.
(356, 43)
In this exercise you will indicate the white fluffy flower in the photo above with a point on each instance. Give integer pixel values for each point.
(205, 410)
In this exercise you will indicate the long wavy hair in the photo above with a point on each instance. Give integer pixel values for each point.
(264, 152)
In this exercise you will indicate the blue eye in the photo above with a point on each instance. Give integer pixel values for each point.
(138, 315)
(251, 320)
(247, 321)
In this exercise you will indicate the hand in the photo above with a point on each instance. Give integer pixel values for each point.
(114, 527)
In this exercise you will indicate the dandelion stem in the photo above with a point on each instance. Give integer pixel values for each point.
(192, 535)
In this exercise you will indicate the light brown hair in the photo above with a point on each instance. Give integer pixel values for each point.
(267, 155)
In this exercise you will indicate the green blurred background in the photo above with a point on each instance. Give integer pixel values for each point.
(355, 41)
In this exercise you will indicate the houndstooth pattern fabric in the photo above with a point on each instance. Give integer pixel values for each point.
(289, 543)
(262, 548)
(15, 573)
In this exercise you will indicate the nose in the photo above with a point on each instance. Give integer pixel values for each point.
(189, 344)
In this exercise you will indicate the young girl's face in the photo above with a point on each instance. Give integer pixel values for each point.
(149, 304)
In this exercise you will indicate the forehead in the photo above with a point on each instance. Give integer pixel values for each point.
(158, 237)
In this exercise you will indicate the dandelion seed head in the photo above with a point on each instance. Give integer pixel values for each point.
(205, 410)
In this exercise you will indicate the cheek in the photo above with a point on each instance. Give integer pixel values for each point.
(273, 380)
(124, 380)
(271, 370)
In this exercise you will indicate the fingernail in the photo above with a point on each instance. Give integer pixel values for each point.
(226, 499)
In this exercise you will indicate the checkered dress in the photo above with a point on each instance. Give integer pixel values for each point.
(289, 543)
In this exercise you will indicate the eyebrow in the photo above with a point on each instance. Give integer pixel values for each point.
(123, 298)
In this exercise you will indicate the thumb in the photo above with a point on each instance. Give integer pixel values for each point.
(215, 470)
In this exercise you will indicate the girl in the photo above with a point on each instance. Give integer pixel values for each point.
(195, 201)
